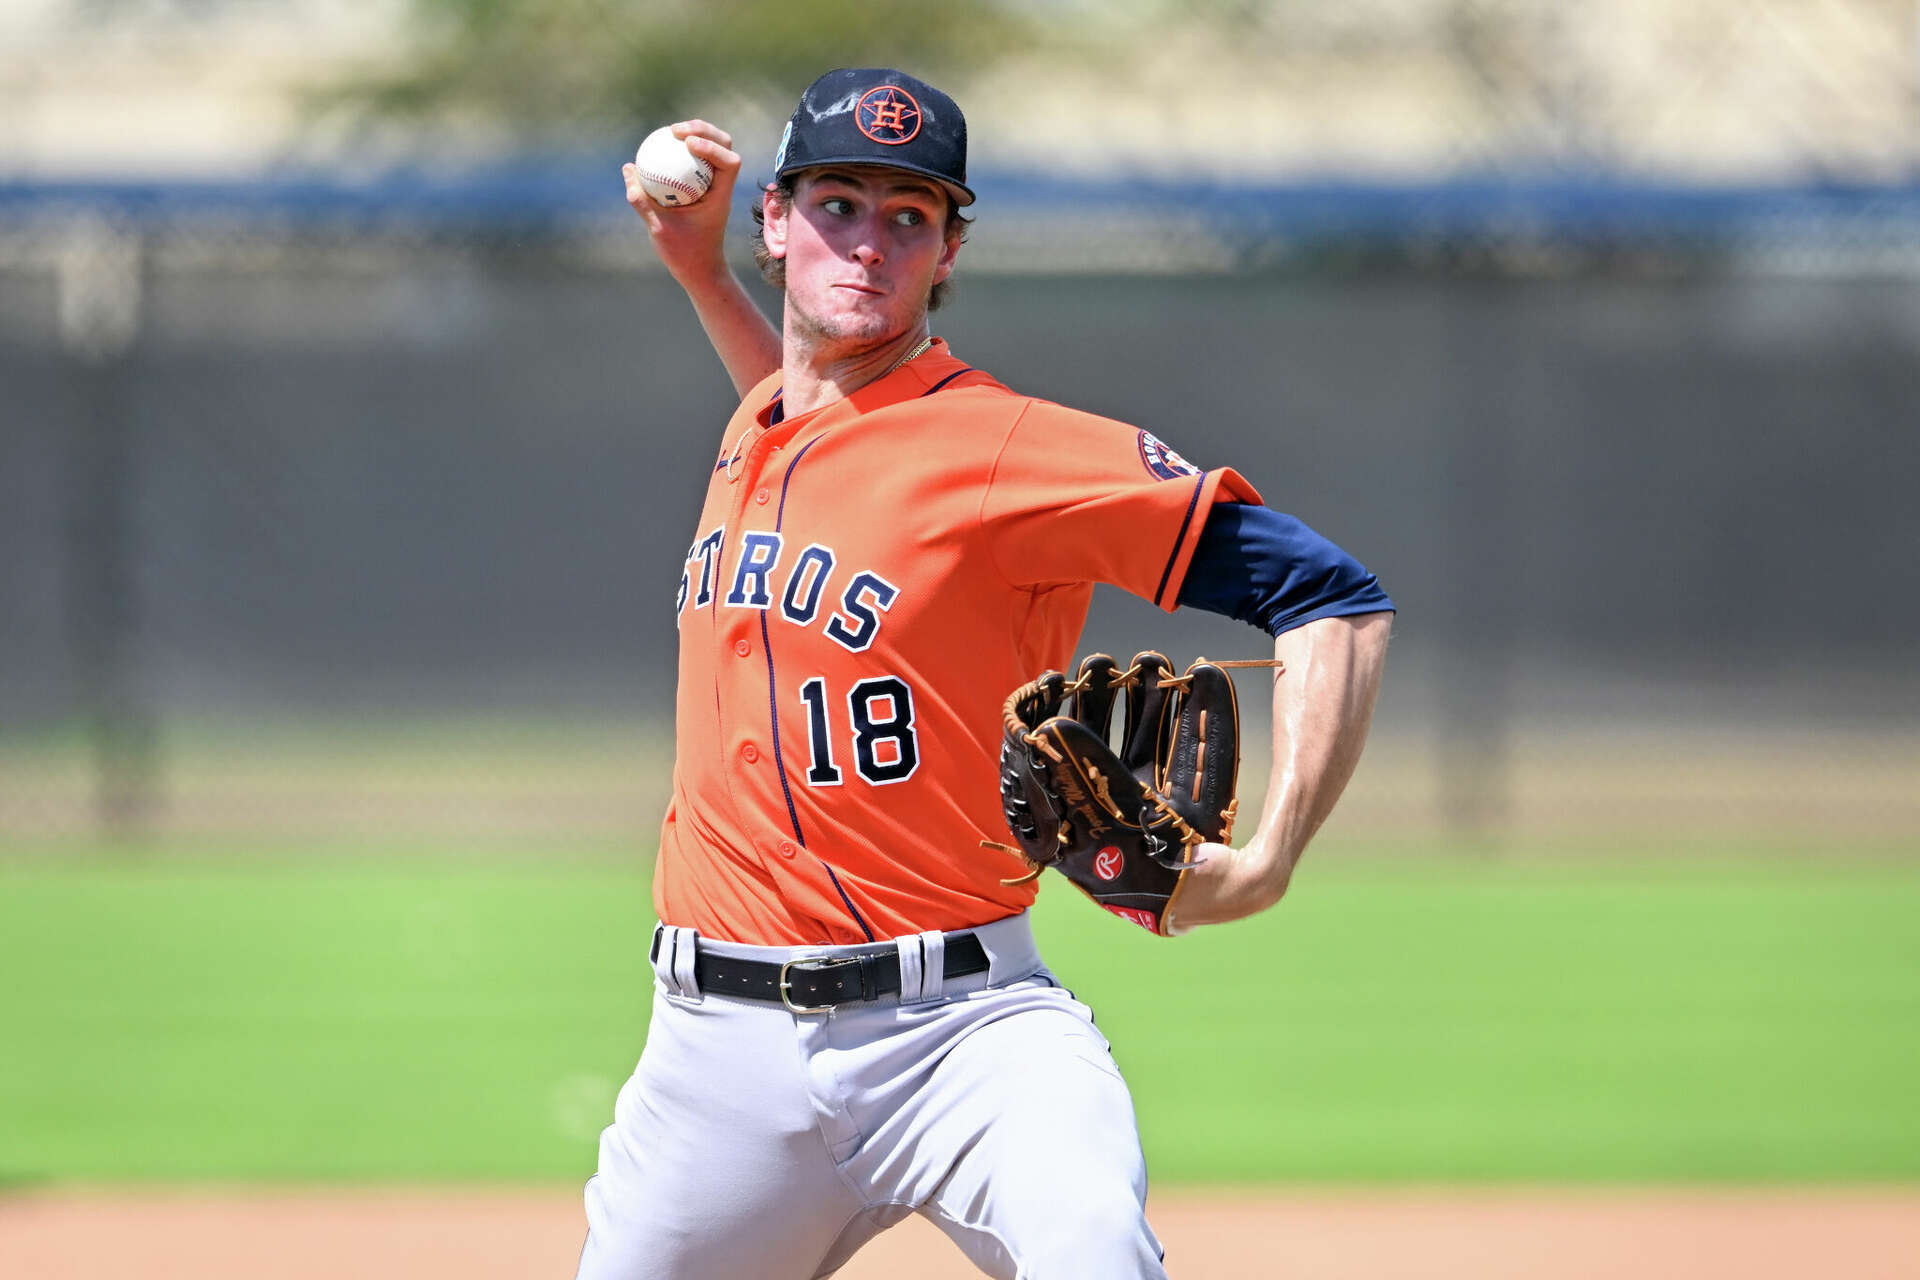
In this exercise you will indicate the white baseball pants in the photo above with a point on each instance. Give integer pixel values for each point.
(753, 1143)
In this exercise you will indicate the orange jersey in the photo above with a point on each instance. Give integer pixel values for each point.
(867, 584)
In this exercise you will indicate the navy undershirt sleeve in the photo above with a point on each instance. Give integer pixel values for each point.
(1272, 571)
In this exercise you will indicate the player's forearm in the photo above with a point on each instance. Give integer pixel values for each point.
(690, 240)
(1322, 709)
(747, 344)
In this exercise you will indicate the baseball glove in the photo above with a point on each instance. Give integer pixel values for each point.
(1122, 825)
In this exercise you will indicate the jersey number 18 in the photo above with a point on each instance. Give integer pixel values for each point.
(885, 748)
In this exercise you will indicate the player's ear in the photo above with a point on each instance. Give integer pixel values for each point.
(949, 252)
(773, 231)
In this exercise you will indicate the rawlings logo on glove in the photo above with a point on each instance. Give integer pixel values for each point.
(1123, 826)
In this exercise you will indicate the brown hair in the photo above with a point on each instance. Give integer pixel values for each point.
(774, 270)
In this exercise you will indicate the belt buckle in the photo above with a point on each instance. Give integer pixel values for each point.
(809, 964)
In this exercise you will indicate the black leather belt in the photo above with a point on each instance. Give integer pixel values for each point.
(819, 983)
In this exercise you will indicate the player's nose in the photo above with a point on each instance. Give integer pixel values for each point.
(866, 245)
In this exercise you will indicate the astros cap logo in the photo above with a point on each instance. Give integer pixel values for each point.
(888, 115)
(1107, 863)
(878, 116)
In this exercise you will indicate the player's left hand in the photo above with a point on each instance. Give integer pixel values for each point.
(691, 239)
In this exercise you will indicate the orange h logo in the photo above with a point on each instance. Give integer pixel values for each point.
(888, 115)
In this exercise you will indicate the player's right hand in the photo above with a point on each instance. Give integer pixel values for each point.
(691, 239)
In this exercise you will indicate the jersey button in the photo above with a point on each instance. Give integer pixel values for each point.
(749, 753)
(788, 848)
(742, 648)
(762, 496)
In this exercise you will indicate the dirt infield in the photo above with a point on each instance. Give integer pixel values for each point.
(1381, 1235)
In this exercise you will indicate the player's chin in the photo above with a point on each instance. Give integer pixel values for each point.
(869, 325)
(861, 319)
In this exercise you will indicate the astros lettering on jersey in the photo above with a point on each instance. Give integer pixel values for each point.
(865, 584)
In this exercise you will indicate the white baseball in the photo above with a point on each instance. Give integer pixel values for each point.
(669, 172)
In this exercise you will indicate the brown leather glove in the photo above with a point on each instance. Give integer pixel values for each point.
(1122, 825)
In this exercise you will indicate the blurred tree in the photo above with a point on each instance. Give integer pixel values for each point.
(535, 66)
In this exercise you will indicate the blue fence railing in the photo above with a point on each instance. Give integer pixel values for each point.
(561, 195)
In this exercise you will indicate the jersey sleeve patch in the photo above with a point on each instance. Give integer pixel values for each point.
(1161, 462)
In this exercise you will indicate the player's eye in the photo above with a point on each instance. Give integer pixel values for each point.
(838, 205)
(910, 217)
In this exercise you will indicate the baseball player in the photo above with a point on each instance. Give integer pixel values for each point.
(851, 1020)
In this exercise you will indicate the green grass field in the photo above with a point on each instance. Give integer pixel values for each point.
(1403, 1017)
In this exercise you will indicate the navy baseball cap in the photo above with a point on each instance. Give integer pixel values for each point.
(877, 116)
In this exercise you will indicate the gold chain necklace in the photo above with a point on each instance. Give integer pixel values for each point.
(913, 354)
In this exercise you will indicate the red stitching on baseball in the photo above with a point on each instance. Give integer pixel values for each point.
(666, 181)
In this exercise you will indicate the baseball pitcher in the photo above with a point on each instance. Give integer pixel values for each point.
(882, 739)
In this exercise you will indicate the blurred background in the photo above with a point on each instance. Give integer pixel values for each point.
(347, 428)
(331, 503)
